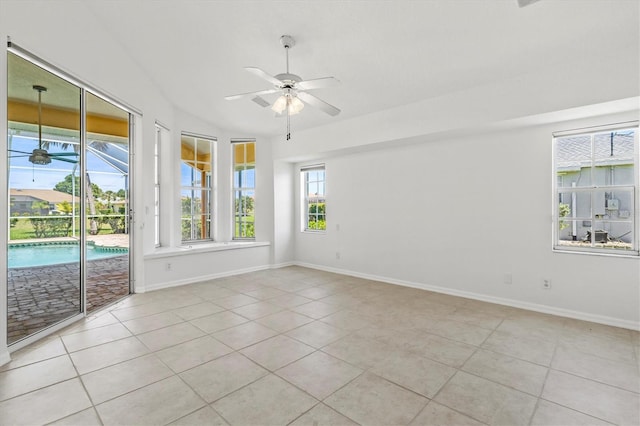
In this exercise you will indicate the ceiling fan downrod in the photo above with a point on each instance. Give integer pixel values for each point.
(40, 89)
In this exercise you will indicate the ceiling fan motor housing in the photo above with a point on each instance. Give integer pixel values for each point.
(288, 80)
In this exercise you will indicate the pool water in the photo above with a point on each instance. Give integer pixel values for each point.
(26, 255)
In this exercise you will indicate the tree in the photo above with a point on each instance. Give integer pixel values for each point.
(65, 207)
(247, 204)
(317, 216)
(67, 186)
(93, 192)
(110, 196)
(121, 194)
(564, 210)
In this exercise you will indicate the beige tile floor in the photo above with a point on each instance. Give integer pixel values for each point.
(304, 347)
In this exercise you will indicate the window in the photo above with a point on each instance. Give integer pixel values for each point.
(314, 215)
(596, 182)
(244, 189)
(156, 187)
(195, 187)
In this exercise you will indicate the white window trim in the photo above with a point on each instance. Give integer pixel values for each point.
(635, 189)
(304, 206)
(212, 189)
(242, 189)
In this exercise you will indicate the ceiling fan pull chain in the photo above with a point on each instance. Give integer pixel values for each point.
(288, 125)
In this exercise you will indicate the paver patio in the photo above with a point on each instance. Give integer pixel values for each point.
(41, 296)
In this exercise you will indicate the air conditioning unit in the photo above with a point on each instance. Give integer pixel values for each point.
(601, 236)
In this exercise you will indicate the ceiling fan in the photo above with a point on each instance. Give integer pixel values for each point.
(40, 155)
(293, 90)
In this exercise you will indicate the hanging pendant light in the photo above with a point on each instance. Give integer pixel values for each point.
(40, 156)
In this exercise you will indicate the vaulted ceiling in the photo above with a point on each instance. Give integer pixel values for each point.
(385, 53)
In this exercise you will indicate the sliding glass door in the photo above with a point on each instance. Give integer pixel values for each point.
(68, 169)
(107, 203)
(44, 256)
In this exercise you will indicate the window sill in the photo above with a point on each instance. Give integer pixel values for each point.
(161, 252)
(627, 255)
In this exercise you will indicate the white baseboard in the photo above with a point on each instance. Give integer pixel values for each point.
(584, 316)
(200, 278)
(282, 265)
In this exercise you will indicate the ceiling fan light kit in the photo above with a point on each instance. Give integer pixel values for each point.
(288, 101)
(292, 89)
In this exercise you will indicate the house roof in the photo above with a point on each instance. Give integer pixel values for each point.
(574, 152)
(48, 195)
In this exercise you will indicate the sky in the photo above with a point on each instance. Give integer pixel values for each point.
(25, 175)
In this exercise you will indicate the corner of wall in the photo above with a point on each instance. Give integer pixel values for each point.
(4, 354)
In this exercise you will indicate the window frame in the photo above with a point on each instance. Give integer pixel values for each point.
(304, 205)
(209, 187)
(236, 224)
(596, 193)
(156, 186)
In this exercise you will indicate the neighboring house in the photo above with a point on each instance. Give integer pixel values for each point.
(613, 160)
(23, 201)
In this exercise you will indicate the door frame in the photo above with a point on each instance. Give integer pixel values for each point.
(134, 114)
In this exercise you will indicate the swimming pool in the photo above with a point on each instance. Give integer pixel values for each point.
(26, 255)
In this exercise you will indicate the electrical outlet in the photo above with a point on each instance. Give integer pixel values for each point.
(546, 283)
(167, 266)
(508, 278)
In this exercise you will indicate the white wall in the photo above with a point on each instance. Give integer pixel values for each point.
(283, 248)
(199, 266)
(457, 214)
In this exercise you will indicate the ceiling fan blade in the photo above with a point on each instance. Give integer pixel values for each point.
(20, 152)
(63, 154)
(258, 93)
(66, 160)
(523, 3)
(261, 101)
(263, 75)
(318, 103)
(317, 83)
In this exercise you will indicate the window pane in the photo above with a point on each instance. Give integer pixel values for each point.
(312, 190)
(598, 217)
(314, 214)
(618, 235)
(244, 189)
(186, 229)
(573, 161)
(195, 178)
(237, 174)
(248, 177)
(619, 204)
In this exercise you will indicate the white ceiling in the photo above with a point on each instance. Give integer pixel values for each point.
(385, 53)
